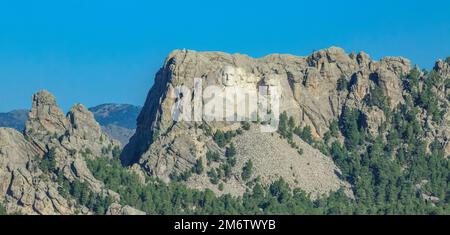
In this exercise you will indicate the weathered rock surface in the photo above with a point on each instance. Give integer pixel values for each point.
(117, 209)
(118, 121)
(442, 132)
(72, 139)
(46, 120)
(166, 148)
(23, 187)
(119, 133)
(308, 85)
(272, 158)
(309, 93)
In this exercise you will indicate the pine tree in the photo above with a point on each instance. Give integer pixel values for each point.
(198, 168)
(219, 138)
(2, 210)
(291, 123)
(306, 134)
(247, 170)
(342, 83)
(283, 124)
(349, 126)
(230, 151)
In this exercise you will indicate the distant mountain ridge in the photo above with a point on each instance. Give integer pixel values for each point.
(117, 120)
(15, 119)
(123, 115)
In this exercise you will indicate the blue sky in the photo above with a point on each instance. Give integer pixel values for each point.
(92, 51)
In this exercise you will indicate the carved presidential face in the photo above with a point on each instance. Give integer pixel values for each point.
(229, 76)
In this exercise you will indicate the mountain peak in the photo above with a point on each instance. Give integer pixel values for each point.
(45, 117)
(44, 97)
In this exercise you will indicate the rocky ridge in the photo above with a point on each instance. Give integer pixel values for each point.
(118, 121)
(315, 90)
(69, 139)
(310, 93)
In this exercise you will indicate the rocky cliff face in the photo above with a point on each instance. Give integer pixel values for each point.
(48, 128)
(227, 157)
(310, 93)
(22, 189)
(308, 84)
(69, 139)
(443, 92)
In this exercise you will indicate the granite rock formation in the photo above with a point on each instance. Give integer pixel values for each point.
(71, 139)
(309, 93)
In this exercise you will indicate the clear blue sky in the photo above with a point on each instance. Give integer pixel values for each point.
(94, 52)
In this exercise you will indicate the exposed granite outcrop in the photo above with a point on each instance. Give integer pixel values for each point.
(309, 94)
(72, 139)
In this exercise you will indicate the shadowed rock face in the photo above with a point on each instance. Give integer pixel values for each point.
(308, 93)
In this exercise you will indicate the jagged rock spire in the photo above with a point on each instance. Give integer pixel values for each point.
(46, 119)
